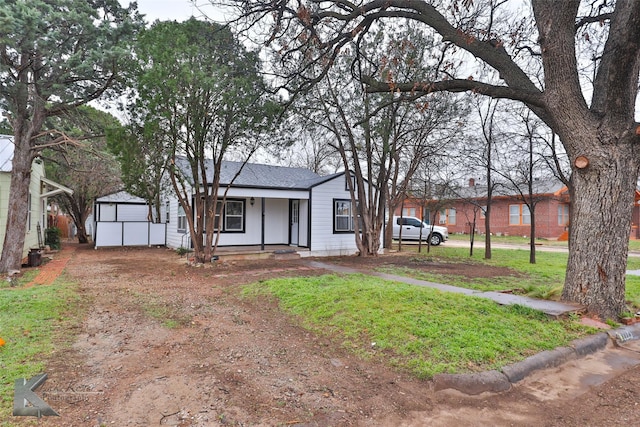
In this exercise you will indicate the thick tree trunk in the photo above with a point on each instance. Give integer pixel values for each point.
(604, 134)
(83, 237)
(602, 198)
(18, 209)
(388, 232)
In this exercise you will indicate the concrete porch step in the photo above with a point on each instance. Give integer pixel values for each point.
(285, 254)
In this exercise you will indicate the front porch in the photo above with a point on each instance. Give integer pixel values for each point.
(228, 253)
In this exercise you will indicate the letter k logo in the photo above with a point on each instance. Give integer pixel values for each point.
(26, 402)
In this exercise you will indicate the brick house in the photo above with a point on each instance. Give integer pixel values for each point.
(510, 215)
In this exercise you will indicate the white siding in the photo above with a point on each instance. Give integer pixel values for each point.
(276, 224)
(323, 239)
(175, 238)
(106, 213)
(266, 193)
(303, 236)
(135, 233)
(108, 234)
(35, 189)
(128, 212)
(251, 234)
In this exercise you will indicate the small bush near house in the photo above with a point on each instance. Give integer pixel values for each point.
(52, 237)
(182, 251)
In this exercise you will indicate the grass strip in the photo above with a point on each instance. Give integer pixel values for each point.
(543, 280)
(31, 321)
(423, 330)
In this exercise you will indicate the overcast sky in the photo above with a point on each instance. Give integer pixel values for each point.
(178, 10)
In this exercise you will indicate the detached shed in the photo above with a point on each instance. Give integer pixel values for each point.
(121, 219)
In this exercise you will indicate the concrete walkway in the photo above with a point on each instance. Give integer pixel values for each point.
(552, 308)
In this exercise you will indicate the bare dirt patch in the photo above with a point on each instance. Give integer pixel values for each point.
(467, 269)
(165, 343)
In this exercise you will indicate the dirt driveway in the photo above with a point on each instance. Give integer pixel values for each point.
(227, 361)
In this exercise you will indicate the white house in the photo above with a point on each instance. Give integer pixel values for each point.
(40, 188)
(274, 205)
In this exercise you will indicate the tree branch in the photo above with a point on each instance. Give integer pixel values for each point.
(534, 99)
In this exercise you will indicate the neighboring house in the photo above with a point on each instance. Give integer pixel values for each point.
(272, 205)
(40, 189)
(509, 213)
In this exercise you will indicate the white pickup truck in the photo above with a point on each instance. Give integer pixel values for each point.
(411, 227)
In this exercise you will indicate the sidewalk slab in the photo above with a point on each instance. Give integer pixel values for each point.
(551, 308)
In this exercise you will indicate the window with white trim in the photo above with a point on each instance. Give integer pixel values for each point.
(229, 215)
(409, 212)
(563, 214)
(343, 221)
(447, 217)
(519, 215)
(182, 219)
(234, 215)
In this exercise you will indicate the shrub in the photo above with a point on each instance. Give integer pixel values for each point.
(52, 237)
(182, 250)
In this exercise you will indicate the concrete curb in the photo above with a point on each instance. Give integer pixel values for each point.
(497, 381)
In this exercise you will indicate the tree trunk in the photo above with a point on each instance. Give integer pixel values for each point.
(487, 231)
(388, 232)
(18, 208)
(532, 239)
(602, 198)
(472, 233)
(83, 237)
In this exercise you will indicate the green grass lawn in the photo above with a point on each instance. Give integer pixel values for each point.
(31, 320)
(513, 240)
(544, 279)
(420, 329)
(634, 245)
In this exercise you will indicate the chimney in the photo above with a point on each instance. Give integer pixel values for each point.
(472, 182)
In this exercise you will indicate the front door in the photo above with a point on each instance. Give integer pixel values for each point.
(295, 219)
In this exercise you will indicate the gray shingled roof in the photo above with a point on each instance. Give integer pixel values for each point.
(259, 176)
(540, 186)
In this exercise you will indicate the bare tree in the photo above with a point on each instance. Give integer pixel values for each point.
(600, 136)
(478, 155)
(312, 151)
(524, 171)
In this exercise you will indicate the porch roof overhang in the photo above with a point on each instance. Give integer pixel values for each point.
(268, 193)
(57, 188)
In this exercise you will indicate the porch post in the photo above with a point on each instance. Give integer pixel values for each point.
(262, 224)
